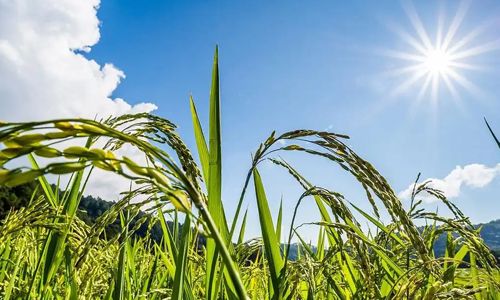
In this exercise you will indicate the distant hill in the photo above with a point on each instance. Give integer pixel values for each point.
(490, 232)
(89, 209)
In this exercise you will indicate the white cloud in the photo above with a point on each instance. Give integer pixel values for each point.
(43, 73)
(473, 176)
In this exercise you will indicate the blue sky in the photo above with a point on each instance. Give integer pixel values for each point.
(284, 65)
(291, 64)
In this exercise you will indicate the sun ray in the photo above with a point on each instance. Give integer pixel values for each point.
(439, 33)
(404, 55)
(404, 70)
(455, 24)
(451, 87)
(464, 82)
(468, 38)
(424, 87)
(466, 66)
(411, 12)
(409, 82)
(491, 46)
(456, 95)
(435, 87)
(408, 38)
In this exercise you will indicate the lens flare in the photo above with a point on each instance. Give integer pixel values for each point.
(443, 60)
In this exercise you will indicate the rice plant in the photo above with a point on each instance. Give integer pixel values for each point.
(47, 252)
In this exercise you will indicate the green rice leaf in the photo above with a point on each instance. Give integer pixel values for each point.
(271, 242)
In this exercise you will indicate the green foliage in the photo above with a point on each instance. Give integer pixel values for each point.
(48, 252)
(492, 133)
(269, 237)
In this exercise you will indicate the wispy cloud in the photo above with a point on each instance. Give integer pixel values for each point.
(473, 176)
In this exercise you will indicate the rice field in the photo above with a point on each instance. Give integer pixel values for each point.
(47, 252)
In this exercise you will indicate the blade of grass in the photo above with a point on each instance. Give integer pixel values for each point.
(215, 182)
(201, 143)
(147, 287)
(50, 196)
(119, 291)
(491, 131)
(278, 222)
(182, 257)
(271, 243)
(13, 278)
(241, 236)
(379, 225)
(70, 276)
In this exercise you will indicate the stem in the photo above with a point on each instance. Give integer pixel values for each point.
(223, 250)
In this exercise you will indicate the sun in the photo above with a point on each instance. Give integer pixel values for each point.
(438, 61)
(443, 60)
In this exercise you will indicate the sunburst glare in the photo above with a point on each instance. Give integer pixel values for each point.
(431, 63)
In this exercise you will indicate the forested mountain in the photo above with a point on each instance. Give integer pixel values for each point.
(89, 210)
(490, 232)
